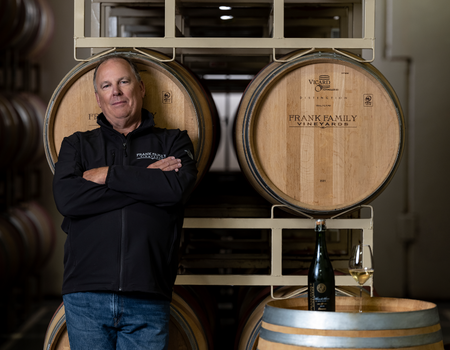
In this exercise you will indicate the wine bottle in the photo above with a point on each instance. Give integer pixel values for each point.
(321, 294)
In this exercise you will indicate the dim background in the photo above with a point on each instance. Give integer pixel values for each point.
(411, 226)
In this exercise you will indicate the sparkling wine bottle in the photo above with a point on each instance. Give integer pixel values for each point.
(321, 294)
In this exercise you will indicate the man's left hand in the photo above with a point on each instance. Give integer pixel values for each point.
(97, 175)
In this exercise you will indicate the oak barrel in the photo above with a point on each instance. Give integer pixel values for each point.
(385, 323)
(27, 24)
(186, 329)
(29, 130)
(173, 94)
(320, 134)
(12, 250)
(250, 321)
(45, 230)
(37, 109)
(10, 132)
(29, 237)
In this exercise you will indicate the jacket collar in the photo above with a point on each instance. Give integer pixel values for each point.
(147, 122)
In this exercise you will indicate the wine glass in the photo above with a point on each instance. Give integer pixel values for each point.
(360, 266)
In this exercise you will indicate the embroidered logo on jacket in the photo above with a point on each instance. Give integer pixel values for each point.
(150, 155)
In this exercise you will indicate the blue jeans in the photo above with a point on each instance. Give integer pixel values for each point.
(116, 321)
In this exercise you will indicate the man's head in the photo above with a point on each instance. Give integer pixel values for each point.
(119, 90)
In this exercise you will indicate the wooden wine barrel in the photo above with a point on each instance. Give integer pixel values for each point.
(45, 230)
(320, 134)
(185, 328)
(37, 109)
(385, 323)
(250, 321)
(13, 250)
(9, 21)
(29, 131)
(56, 337)
(27, 26)
(45, 31)
(10, 132)
(173, 95)
(189, 328)
(29, 236)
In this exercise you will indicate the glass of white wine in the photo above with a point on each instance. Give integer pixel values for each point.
(360, 266)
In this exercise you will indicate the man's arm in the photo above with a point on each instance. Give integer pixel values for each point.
(159, 184)
(74, 195)
(98, 175)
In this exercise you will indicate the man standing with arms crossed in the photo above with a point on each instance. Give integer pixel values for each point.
(121, 189)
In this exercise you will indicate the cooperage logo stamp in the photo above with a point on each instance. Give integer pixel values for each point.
(166, 97)
(368, 100)
(322, 84)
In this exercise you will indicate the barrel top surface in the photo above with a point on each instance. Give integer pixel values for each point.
(380, 313)
(321, 133)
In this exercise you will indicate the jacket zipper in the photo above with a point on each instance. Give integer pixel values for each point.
(122, 235)
(122, 242)
(125, 149)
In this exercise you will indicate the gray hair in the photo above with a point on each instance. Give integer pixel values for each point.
(114, 56)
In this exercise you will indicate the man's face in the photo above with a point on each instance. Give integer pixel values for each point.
(119, 94)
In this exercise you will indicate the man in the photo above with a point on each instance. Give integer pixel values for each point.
(121, 189)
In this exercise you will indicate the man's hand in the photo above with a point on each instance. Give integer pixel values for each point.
(97, 175)
(166, 164)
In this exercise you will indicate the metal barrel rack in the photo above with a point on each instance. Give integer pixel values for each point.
(176, 42)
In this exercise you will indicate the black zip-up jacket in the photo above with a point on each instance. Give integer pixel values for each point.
(124, 235)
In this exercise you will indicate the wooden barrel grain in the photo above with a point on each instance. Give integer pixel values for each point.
(385, 323)
(187, 332)
(173, 95)
(319, 134)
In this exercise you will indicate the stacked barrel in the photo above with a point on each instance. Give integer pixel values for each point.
(26, 26)
(27, 233)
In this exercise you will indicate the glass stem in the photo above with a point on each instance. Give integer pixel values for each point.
(360, 298)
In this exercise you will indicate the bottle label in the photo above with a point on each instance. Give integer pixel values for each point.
(319, 300)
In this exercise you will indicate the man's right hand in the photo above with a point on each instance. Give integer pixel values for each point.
(97, 175)
(166, 164)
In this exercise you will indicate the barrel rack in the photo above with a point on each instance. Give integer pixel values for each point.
(175, 43)
(172, 21)
(276, 225)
